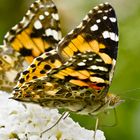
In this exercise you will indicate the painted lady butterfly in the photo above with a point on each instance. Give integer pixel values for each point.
(77, 74)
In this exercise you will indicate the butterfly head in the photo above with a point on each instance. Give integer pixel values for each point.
(113, 100)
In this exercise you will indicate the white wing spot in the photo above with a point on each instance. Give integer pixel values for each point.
(101, 4)
(7, 34)
(117, 38)
(110, 9)
(99, 60)
(84, 60)
(50, 5)
(106, 34)
(55, 34)
(106, 11)
(100, 11)
(23, 20)
(80, 25)
(41, 17)
(46, 13)
(15, 27)
(112, 19)
(97, 79)
(86, 17)
(55, 16)
(94, 67)
(106, 3)
(112, 70)
(48, 32)
(37, 24)
(28, 12)
(32, 5)
(90, 58)
(113, 36)
(96, 7)
(110, 35)
(52, 33)
(81, 64)
(104, 17)
(79, 54)
(71, 32)
(94, 27)
(98, 20)
(66, 63)
(90, 12)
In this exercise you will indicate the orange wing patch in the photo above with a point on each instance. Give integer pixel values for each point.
(29, 47)
(79, 44)
(78, 83)
(40, 67)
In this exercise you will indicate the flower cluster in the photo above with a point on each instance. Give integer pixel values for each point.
(25, 121)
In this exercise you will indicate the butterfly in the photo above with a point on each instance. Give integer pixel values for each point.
(78, 73)
(38, 32)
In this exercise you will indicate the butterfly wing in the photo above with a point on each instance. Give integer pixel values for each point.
(39, 31)
(97, 34)
(88, 54)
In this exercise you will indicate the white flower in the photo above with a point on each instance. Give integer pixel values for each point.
(22, 121)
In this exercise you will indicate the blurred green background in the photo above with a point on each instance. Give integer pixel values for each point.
(127, 74)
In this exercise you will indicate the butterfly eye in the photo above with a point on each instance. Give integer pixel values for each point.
(7, 59)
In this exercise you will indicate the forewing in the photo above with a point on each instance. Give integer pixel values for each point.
(37, 32)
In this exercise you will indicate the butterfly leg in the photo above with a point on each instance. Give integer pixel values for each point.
(96, 126)
(63, 116)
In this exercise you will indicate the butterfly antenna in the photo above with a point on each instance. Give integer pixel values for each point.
(129, 91)
(63, 116)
